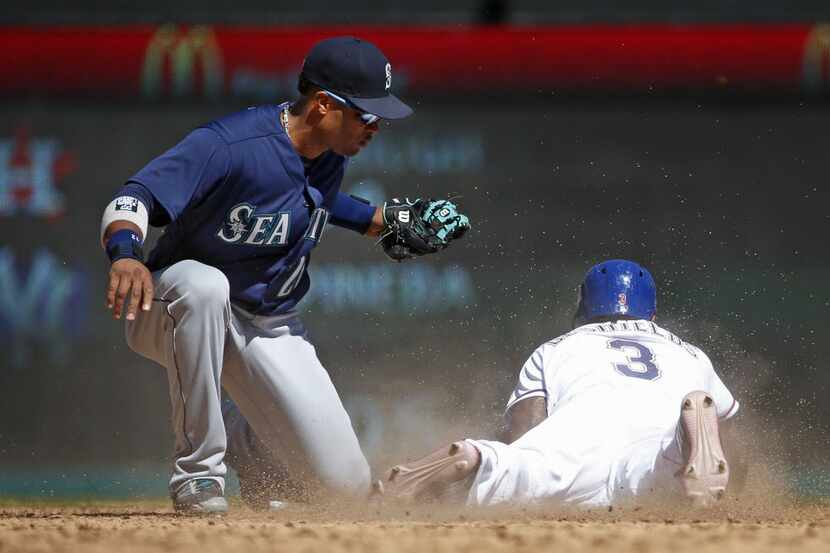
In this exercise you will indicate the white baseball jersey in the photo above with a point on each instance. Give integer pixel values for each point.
(613, 393)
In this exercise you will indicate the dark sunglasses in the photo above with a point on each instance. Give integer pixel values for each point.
(367, 118)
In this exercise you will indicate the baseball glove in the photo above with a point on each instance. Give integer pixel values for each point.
(415, 228)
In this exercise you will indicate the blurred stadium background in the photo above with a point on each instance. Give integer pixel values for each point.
(689, 136)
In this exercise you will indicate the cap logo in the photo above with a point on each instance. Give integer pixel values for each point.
(388, 76)
(622, 301)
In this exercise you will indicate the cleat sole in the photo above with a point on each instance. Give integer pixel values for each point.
(705, 474)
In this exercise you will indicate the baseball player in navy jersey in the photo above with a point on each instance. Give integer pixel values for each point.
(245, 200)
(619, 408)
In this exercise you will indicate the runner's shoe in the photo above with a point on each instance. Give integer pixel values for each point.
(445, 474)
(705, 472)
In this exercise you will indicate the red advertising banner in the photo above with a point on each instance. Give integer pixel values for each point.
(216, 61)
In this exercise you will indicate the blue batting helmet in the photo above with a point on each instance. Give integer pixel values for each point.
(617, 288)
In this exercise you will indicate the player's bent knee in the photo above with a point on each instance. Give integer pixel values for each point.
(206, 287)
(348, 478)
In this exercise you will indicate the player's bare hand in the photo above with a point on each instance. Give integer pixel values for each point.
(129, 279)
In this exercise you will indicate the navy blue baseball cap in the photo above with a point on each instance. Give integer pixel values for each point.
(358, 71)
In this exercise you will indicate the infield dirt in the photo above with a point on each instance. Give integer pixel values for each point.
(152, 527)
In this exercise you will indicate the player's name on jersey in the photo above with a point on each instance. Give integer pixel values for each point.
(638, 326)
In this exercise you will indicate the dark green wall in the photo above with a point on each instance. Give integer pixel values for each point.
(727, 204)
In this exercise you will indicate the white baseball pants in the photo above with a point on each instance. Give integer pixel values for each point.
(267, 367)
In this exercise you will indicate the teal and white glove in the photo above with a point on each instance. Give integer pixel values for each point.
(443, 216)
(415, 228)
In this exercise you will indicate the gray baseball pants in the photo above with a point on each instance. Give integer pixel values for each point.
(266, 366)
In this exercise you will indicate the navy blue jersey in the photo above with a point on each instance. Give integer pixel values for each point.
(235, 195)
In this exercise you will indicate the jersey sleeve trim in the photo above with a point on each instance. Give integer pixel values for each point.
(524, 396)
(733, 409)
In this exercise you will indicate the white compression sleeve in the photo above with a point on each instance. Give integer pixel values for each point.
(125, 208)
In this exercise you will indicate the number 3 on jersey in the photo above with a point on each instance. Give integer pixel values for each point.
(640, 359)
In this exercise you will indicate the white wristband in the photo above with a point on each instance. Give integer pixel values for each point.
(125, 208)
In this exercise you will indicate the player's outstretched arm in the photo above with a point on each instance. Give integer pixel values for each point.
(128, 276)
(376, 226)
(523, 416)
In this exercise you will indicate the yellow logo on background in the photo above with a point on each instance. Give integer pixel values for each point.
(187, 53)
(816, 64)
